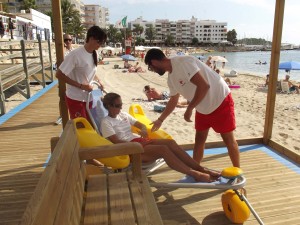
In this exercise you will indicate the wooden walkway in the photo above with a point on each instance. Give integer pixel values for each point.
(24, 148)
(273, 183)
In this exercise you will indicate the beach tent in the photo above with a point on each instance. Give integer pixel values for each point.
(271, 97)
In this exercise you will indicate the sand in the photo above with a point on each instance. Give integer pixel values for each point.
(250, 105)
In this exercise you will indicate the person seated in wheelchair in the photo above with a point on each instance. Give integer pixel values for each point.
(116, 127)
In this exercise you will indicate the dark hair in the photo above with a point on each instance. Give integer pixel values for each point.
(154, 53)
(109, 99)
(147, 88)
(98, 34)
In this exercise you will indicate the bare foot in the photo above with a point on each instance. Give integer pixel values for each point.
(212, 173)
(202, 177)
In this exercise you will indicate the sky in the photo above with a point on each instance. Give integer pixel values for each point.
(250, 18)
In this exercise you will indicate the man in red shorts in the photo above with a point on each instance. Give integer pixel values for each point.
(206, 91)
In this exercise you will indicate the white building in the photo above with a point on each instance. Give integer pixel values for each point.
(95, 15)
(38, 22)
(183, 31)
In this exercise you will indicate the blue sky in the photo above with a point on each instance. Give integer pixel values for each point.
(250, 18)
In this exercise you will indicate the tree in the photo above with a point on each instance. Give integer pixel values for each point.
(29, 4)
(231, 36)
(138, 29)
(111, 32)
(70, 16)
(170, 40)
(139, 41)
(195, 41)
(150, 33)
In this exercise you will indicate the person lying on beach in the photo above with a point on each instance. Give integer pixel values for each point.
(136, 69)
(116, 127)
(127, 65)
(152, 94)
(226, 79)
(292, 87)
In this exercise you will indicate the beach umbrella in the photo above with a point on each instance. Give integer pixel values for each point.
(291, 65)
(128, 57)
(217, 58)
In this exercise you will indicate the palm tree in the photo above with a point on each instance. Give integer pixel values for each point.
(111, 32)
(29, 4)
(170, 40)
(70, 16)
(150, 33)
(138, 29)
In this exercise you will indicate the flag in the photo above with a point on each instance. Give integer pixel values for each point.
(124, 21)
(121, 23)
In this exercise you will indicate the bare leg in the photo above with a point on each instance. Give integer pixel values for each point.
(200, 139)
(233, 148)
(153, 152)
(182, 155)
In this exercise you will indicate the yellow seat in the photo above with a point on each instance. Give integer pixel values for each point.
(137, 112)
(232, 173)
(88, 137)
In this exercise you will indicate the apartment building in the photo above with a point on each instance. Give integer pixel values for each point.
(183, 31)
(96, 15)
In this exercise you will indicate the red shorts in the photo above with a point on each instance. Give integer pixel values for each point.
(222, 120)
(77, 108)
(142, 141)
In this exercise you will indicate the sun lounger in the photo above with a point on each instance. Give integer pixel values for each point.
(232, 73)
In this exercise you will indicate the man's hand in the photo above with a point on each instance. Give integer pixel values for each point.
(143, 132)
(188, 115)
(156, 125)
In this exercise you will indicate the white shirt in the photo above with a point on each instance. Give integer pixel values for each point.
(183, 69)
(120, 126)
(79, 66)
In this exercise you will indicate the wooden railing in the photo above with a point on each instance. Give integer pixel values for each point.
(23, 62)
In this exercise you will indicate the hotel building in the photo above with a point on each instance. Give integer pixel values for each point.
(183, 31)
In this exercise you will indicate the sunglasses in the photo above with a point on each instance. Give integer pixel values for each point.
(67, 40)
(118, 106)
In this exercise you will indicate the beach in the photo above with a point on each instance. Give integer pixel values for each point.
(250, 104)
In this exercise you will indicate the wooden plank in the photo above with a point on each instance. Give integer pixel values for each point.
(144, 203)
(48, 191)
(121, 209)
(79, 193)
(64, 209)
(96, 207)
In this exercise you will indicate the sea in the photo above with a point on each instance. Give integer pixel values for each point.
(245, 62)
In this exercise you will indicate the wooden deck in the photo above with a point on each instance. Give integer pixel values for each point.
(25, 147)
(273, 183)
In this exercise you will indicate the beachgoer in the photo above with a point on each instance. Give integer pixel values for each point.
(67, 44)
(267, 80)
(208, 94)
(226, 79)
(117, 128)
(136, 69)
(209, 62)
(223, 64)
(152, 94)
(292, 87)
(11, 28)
(2, 28)
(127, 65)
(79, 69)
